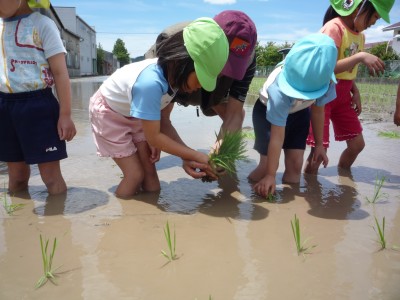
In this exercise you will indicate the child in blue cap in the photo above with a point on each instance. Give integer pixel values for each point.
(281, 115)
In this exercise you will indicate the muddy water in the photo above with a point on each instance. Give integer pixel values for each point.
(231, 244)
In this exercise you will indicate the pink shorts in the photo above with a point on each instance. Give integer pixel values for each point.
(114, 134)
(346, 124)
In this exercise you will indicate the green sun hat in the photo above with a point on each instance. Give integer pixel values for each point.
(345, 7)
(383, 8)
(39, 3)
(208, 46)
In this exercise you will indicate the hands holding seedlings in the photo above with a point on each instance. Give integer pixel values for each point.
(198, 170)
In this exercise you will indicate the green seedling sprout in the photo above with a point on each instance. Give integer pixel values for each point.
(47, 258)
(378, 194)
(380, 231)
(171, 244)
(232, 149)
(300, 247)
(9, 207)
(271, 198)
(389, 134)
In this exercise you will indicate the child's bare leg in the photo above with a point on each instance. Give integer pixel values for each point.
(260, 171)
(52, 177)
(349, 155)
(293, 165)
(133, 176)
(311, 166)
(18, 174)
(151, 183)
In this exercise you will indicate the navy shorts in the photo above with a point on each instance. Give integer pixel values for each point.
(296, 129)
(28, 128)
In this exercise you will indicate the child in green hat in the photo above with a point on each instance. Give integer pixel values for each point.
(344, 22)
(125, 112)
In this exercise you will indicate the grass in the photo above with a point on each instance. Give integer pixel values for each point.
(300, 246)
(389, 134)
(376, 97)
(380, 230)
(378, 194)
(9, 207)
(171, 244)
(47, 259)
(232, 149)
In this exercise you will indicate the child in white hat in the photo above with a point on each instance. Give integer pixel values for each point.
(281, 116)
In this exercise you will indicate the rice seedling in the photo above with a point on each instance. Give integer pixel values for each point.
(300, 246)
(232, 149)
(271, 198)
(389, 134)
(378, 194)
(380, 231)
(47, 259)
(171, 244)
(9, 207)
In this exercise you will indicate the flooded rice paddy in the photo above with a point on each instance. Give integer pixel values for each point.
(230, 243)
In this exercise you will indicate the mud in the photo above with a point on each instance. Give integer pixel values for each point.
(231, 243)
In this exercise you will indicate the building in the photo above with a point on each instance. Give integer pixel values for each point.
(87, 39)
(70, 41)
(396, 36)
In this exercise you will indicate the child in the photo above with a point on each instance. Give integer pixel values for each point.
(281, 115)
(33, 124)
(126, 110)
(344, 23)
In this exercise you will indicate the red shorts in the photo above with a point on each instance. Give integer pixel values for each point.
(344, 118)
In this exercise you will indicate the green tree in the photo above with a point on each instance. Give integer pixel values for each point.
(384, 52)
(121, 52)
(100, 59)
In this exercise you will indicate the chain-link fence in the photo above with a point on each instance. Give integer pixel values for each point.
(392, 71)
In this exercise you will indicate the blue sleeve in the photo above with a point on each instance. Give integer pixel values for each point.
(278, 105)
(328, 96)
(147, 92)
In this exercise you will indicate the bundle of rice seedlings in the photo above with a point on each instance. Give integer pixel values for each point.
(232, 149)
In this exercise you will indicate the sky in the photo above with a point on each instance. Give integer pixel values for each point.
(138, 23)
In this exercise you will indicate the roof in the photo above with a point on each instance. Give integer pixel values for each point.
(392, 27)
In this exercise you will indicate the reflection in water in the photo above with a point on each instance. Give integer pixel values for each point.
(333, 201)
(75, 201)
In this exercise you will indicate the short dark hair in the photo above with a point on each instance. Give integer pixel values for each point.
(175, 60)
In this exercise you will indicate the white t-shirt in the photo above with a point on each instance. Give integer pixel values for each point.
(138, 90)
(27, 42)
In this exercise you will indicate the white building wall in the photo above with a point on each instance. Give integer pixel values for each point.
(88, 48)
(87, 45)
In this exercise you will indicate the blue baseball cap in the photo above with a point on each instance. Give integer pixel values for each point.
(309, 67)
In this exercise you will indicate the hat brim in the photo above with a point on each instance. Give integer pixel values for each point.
(207, 82)
(288, 90)
(382, 13)
(235, 67)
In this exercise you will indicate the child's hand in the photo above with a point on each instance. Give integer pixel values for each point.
(154, 154)
(356, 102)
(265, 186)
(320, 156)
(66, 128)
(375, 65)
(198, 170)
